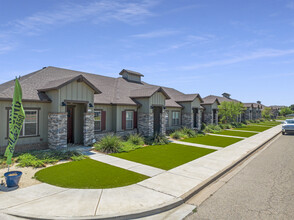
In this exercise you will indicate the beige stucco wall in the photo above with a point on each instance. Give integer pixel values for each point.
(43, 123)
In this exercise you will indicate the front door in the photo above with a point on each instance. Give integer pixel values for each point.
(70, 124)
(156, 117)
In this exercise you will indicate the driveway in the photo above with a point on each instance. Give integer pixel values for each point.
(264, 189)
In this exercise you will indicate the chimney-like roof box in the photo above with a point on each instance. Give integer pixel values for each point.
(258, 102)
(131, 76)
(226, 95)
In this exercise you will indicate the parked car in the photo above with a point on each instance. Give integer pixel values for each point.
(288, 126)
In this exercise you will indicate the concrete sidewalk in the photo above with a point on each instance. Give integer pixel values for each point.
(159, 193)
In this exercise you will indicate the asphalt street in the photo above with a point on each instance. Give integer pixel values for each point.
(263, 189)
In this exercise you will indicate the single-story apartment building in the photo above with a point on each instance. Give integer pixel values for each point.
(64, 106)
(210, 110)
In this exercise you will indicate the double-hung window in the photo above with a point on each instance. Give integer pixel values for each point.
(176, 118)
(97, 120)
(129, 119)
(30, 124)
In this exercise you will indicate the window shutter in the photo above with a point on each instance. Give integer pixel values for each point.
(135, 119)
(124, 120)
(103, 120)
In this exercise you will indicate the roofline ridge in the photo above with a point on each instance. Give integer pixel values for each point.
(33, 73)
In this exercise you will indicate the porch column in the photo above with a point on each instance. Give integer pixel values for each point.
(88, 129)
(187, 120)
(216, 116)
(57, 130)
(199, 115)
(145, 123)
(163, 119)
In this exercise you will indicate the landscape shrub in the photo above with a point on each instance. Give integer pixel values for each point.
(42, 158)
(109, 144)
(203, 126)
(261, 120)
(158, 139)
(238, 125)
(127, 147)
(225, 126)
(136, 139)
(178, 135)
(189, 132)
(212, 129)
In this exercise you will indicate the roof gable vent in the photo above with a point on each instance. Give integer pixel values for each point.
(226, 95)
(131, 76)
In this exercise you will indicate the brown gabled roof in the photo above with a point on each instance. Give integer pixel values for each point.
(108, 90)
(252, 105)
(147, 92)
(209, 100)
(57, 84)
(222, 99)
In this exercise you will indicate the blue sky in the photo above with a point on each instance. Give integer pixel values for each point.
(245, 48)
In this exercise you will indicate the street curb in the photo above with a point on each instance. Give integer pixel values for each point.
(158, 209)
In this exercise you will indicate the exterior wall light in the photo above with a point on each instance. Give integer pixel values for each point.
(63, 104)
(91, 105)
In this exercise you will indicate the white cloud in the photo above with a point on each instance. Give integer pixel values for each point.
(130, 12)
(252, 56)
(6, 47)
(155, 34)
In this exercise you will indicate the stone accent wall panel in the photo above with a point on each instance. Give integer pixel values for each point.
(57, 130)
(89, 136)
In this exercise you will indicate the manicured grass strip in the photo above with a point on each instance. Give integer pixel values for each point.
(237, 133)
(213, 140)
(253, 128)
(164, 156)
(88, 174)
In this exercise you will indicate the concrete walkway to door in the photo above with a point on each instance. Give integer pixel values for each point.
(159, 193)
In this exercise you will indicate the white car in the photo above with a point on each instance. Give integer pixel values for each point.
(288, 126)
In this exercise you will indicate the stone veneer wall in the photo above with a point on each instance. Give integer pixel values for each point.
(99, 136)
(88, 129)
(57, 130)
(187, 120)
(163, 118)
(199, 119)
(208, 117)
(216, 117)
(145, 124)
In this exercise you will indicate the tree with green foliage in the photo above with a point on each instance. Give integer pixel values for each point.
(292, 107)
(285, 111)
(267, 113)
(229, 111)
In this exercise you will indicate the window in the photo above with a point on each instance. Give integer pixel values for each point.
(30, 124)
(129, 119)
(97, 120)
(176, 118)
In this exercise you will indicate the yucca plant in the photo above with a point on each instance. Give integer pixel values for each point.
(109, 144)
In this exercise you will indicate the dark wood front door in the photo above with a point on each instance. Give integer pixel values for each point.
(70, 124)
(156, 117)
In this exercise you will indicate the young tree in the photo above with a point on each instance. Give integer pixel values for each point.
(286, 111)
(230, 111)
(267, 113)
(292, 107)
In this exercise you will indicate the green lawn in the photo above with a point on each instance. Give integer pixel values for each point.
(88, 174)
(237, 133)
(253, 128)
(213, 140)
(164, 156)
